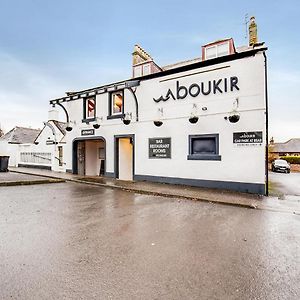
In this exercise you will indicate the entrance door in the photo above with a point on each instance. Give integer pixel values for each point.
(125, 158)
(81, 158)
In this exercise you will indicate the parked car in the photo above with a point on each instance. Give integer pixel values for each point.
(281, 165)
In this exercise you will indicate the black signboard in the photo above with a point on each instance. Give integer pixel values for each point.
(88, 132)
(250, 137)
(160, 148)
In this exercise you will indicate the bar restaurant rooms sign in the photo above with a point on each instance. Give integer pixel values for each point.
(159, 147)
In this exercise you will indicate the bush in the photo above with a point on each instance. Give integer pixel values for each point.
(291, 159)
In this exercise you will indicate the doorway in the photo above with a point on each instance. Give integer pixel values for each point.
(124, 157)
(89, 157)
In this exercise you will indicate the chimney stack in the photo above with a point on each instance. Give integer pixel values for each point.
(252, 32)
(139, 55)
(53, 115)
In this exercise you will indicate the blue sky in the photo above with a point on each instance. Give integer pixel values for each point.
(49, 47)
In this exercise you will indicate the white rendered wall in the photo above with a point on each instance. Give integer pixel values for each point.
(238, 163)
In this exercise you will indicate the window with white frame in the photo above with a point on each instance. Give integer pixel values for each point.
(217, 50)
(146, 69)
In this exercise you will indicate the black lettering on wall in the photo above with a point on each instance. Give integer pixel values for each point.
(179, 89)
(216, 86)
(225, 85)
(194, 90)
(233, 83)
(208, 90)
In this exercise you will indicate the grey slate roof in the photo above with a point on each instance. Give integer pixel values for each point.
(291, 146)
(20, 135)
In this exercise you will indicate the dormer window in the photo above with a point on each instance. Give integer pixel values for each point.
(217, 49)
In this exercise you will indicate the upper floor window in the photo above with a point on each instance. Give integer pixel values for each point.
(89, 108)
(217, 50)
(116, 105)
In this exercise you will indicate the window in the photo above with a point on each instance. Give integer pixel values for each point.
(217, 50)
(137, 71)
(89, 109)
(204, 147)
(60, 156)
(116, 105)
(146, 69)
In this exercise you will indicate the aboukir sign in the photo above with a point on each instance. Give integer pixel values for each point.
(218, 86)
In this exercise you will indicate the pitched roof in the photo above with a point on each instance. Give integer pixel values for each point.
(291, 146)
(20, 135)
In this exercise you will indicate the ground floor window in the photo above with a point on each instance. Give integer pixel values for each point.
(204, 147)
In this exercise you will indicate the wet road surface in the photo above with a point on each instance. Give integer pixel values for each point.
(75, 241)
(286, 184)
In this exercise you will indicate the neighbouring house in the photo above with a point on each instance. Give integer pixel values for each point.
(49, 146)
(289, 148)
(201, 122)
(35, 148)
(11, 142)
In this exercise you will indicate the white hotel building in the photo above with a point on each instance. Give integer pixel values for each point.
(201, 122)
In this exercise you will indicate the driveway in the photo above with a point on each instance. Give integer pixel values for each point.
(285, 184)
(76, 241)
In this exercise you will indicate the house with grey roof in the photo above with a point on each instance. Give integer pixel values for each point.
(291, 147)
(11, 141)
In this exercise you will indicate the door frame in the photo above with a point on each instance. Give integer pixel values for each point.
(75, 151)
(116, 153)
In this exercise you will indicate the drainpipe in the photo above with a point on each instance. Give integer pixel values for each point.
(267, 126)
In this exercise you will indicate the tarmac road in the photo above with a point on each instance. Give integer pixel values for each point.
(75, 241)
(287, 184)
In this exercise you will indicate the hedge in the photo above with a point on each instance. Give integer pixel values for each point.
(291, 159)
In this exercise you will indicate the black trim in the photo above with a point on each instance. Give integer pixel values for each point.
(267, 129)
(88, 120)
(75, 150)
(116, 153)
(136, 103)
(35, 166)
(253, 188)
(69, 171)
(119, 116)
(200, 64)
(110, 111)
(109, 174)
(204, 157)
(200, 156)
(85, 119)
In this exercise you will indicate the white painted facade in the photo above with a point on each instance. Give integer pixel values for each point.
(241, 167)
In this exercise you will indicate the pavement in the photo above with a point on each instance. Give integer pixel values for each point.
(82, 241)
(224, 197)
(13, 178)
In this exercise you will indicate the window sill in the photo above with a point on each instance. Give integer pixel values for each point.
(88, 120)
(204, 157)
(118, 116)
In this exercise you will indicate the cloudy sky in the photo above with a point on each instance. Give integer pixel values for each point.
(49, 47)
